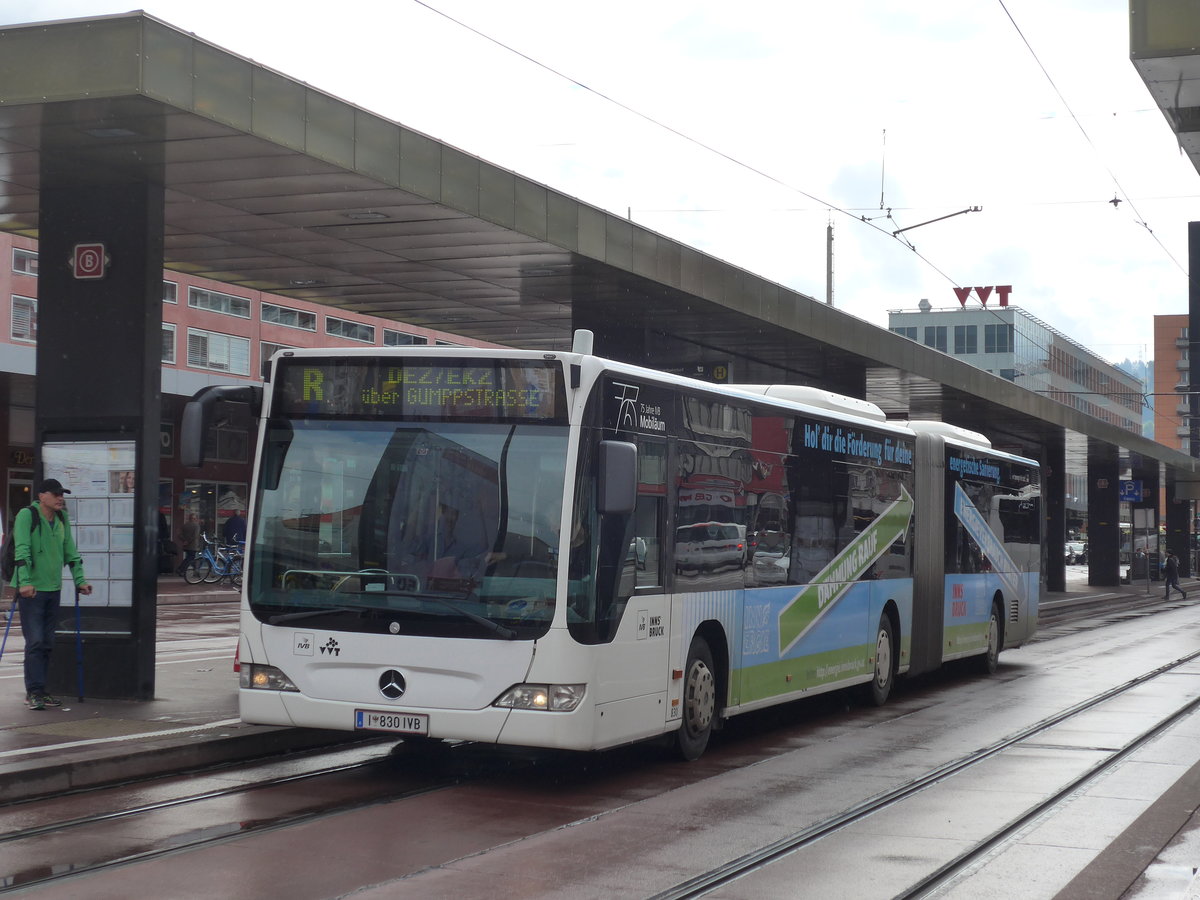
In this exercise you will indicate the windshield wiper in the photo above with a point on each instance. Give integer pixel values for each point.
(507, 633)
(310, 613)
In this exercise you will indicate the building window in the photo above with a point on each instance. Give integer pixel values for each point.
(168, 343)
(24, 318)
(908, 331)
(935, 337)
(266, 350)
(215, 301)
(1009, 374)
(997, 339)
(24, 262)
(966, 339)
(270, 348)
(352, 330)
(292, 318)
(170, 292)
(401, 339)
(218, 352)
(447, 344)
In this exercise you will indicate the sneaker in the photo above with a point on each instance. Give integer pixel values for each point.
(34, 701)
(47, 700)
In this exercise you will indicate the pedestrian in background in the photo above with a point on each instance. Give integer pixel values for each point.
(1171, 573)
(189, 540)
(41, 551)
(235, 528)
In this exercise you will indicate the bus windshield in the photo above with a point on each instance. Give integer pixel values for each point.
(428, 528)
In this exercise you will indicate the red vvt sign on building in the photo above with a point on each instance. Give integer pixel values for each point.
(1002, 291)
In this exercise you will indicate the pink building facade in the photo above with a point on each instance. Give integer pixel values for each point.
(212, 333)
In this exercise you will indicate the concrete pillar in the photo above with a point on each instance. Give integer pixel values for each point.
(98, 366)
(1104, 526)
(1054, 487)
(621, 336)
(1179, 528)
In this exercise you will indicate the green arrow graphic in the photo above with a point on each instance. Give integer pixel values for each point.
(829, 585)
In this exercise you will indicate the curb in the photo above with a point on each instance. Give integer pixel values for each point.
(33, 778)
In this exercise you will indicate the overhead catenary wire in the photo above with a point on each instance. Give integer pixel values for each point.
(1123, 195)
(823, 203)
(687, 137)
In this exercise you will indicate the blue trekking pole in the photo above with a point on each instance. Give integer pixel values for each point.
(12, 609)
(78, 648)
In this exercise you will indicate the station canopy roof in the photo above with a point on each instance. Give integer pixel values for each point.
(276, 186)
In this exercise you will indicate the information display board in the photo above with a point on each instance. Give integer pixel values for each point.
(100, 477)
(520, 390)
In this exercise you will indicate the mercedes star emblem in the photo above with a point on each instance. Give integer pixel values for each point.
(391, 684)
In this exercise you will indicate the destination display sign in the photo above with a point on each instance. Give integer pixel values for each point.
(462, 388)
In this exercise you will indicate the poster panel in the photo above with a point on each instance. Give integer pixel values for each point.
(100, 476)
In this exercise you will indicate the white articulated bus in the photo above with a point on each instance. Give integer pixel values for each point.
(558, 550)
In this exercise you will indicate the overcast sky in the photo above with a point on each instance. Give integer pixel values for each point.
(743, 128)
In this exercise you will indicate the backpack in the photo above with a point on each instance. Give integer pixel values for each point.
(8, 550)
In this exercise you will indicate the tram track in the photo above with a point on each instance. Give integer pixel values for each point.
(23, 843)
(469, 763)
(26, 833)
(769, 854)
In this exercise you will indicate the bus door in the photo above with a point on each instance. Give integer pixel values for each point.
(632, 669)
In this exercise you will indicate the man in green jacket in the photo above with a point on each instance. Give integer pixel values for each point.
(40, 553)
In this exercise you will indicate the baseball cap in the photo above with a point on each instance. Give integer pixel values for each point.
(53, 485)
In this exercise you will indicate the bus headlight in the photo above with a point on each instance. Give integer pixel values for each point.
(264, 678)
(552, 697)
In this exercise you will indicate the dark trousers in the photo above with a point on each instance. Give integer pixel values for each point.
(1172, 582)
(188, 556)
(39, 614)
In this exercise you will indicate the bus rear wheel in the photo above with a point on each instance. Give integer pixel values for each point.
(880, 686)
(990, 660)
(699, 701)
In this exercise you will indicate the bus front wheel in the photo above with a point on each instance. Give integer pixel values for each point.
(699, 701)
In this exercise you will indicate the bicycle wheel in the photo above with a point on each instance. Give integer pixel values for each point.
(209, 572)
(196, 570)
(235, 573)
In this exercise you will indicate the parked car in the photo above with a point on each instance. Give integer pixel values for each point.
(710, 546)
(769, 557)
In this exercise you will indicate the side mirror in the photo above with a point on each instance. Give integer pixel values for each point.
(200, 413)
(618, 477)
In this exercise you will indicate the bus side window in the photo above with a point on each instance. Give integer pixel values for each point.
(644, 549)
(648, 514)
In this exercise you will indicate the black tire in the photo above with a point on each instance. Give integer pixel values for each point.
(990, 660)
(699, 701)
(880, 686)
(205, 571)
(193, 574)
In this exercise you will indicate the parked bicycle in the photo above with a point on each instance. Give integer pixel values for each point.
(215, 563)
